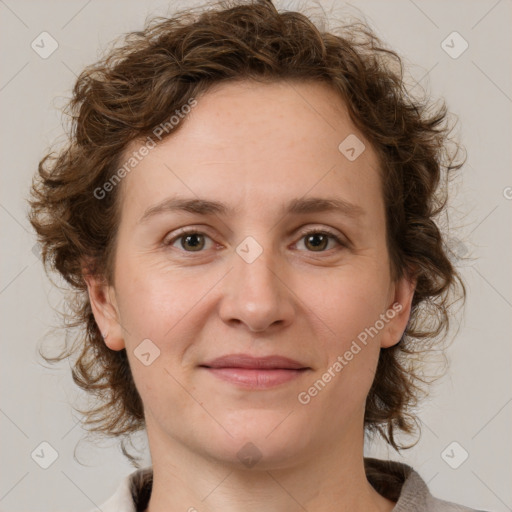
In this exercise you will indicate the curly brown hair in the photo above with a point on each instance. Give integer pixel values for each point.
(137, 86)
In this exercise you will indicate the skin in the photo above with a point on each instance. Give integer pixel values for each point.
(254, 147)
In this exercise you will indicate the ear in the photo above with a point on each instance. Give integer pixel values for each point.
(399, 310)
(104, 307)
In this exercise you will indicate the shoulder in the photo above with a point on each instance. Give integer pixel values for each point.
(132, 494)
(400, 483)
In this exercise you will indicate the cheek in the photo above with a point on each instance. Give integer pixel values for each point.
(350, 302)
(350, 307)
(153, 301)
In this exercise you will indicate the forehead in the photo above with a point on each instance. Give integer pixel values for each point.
(247, 143)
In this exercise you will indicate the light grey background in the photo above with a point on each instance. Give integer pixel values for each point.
(471, 406)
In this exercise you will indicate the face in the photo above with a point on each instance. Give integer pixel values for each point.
(250, 233)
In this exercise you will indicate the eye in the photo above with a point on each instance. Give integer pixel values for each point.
(189, 241)
(317, 240)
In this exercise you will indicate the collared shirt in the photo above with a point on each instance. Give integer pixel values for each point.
(396, 481)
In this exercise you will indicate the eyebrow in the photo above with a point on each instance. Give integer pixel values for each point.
(299, 206)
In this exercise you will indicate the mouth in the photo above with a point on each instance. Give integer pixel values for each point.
(255, 372)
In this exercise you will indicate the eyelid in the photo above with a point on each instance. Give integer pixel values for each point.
(320, 229)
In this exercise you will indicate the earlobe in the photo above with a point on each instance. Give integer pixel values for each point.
(399, 312)
(105, 311)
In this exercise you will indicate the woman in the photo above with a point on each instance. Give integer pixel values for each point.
(246, 212)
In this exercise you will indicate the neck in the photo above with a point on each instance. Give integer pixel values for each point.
(329, 480)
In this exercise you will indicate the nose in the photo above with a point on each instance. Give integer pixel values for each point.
(257, 294)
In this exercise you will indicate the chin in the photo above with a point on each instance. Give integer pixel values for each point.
(261, 440)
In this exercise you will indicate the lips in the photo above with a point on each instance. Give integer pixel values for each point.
(256, 373)
(255, 363)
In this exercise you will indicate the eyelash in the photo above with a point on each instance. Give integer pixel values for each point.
(185, 232)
